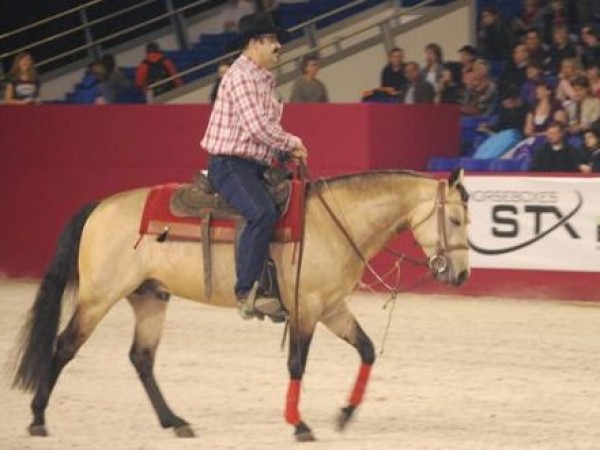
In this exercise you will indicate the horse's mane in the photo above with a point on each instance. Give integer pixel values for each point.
(352, 177)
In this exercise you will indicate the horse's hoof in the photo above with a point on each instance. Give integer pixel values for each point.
(184, 431)
(344, 417)
(303, 433)
(38, 430)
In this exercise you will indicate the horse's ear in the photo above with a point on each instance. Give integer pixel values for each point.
(456, 177)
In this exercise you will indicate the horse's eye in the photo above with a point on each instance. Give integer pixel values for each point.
(454, 221)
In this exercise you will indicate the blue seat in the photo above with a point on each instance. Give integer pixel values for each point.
(509, 165)
(442, 164)
(475, 165)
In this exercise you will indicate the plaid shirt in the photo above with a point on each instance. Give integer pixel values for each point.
(245, 120)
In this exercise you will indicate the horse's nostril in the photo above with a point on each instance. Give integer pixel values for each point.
(462, 277)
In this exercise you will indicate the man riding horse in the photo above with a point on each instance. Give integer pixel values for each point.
(243, 136)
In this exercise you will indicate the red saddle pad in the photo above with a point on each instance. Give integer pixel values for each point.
(157, 218)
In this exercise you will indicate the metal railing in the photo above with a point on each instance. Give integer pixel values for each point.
(86, 27)
(309, 28)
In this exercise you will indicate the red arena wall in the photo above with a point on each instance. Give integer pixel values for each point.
(55, 158)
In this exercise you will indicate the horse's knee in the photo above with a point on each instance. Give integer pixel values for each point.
(143, 362)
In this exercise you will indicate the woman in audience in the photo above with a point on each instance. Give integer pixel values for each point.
(432, 70)
(23, 84)
(569, 70)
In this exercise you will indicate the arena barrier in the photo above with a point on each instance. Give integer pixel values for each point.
(55, 158)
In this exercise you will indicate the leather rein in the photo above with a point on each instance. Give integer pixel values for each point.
(436, 263)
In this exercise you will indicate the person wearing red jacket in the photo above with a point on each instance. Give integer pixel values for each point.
(156, 67)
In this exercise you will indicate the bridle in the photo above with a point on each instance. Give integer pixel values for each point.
(438, 262)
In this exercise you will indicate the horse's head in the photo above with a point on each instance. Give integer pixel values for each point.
(440, 227)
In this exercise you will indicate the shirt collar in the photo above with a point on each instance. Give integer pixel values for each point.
(259, 71)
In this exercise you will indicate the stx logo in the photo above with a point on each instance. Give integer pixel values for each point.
(507, 220)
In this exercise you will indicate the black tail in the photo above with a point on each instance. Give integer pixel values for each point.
(33, 359)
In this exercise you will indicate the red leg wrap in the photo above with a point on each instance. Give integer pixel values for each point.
(361, 384)
(292, 415)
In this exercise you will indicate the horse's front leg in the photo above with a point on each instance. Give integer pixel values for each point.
(343, 324)
(300, 339)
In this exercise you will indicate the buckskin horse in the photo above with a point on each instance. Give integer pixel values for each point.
(349, 219)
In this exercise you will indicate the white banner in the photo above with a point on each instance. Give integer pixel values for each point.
(540, 223)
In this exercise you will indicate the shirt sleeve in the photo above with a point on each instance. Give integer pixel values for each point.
(257, 118)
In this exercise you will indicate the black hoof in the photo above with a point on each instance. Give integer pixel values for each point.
(184, 431)
(345, 417)
(37, 430)
(303, 433)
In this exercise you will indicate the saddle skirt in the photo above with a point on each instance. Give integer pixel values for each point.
(178, 212)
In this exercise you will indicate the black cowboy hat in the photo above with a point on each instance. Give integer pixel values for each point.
(254, 25)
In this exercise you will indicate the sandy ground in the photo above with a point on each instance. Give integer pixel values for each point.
(457, 373)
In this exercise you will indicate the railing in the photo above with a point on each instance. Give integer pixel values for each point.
(94, 44)
(309, 28)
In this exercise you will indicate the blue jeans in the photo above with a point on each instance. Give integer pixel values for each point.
(240, 183)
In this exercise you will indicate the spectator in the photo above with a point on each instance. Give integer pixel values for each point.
(593, 75)
(308, 88)
(480, 97)
(434, 60)
(569, 71)
(534, 76)
(494, 36)
(587, 11)
(233, 11)
(417, 90)
(545, 111)
(561, 48)
(584, 110)
(23, 83)
(553, 14)
(590, 36)
(392, 75)
(94, 83)
(506, 131)
(556, 155)
(117, 87)
(590, 159)
(536, 48)
(451, 85)
(156, 67)
(514, 74)
(531, 17)
(468, 55)
(223, 67)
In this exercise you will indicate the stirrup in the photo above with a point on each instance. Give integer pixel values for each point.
(256, 306)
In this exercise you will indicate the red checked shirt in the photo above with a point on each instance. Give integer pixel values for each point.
(245, 120)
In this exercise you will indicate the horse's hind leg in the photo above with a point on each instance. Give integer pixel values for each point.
(149, 306)
(343, 324)
(80, 327)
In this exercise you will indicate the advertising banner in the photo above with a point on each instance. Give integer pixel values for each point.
(539, 223)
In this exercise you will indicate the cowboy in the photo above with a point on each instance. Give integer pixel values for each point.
(243, 136)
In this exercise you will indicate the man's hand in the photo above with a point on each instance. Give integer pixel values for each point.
(300, 153)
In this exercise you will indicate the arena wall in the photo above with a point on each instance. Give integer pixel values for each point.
(55, 158)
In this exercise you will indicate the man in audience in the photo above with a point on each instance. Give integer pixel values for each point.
(468, 55)
(561, 48)
(392, 75)
(494, 36)
(584, 110)
(515, 73)
(480, 97)
(590, 35)
(154, 68)
(556, 155)
(417, 89)
(536, 48)
(308, 88)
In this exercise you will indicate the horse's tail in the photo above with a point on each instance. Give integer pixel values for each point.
(33, 357)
